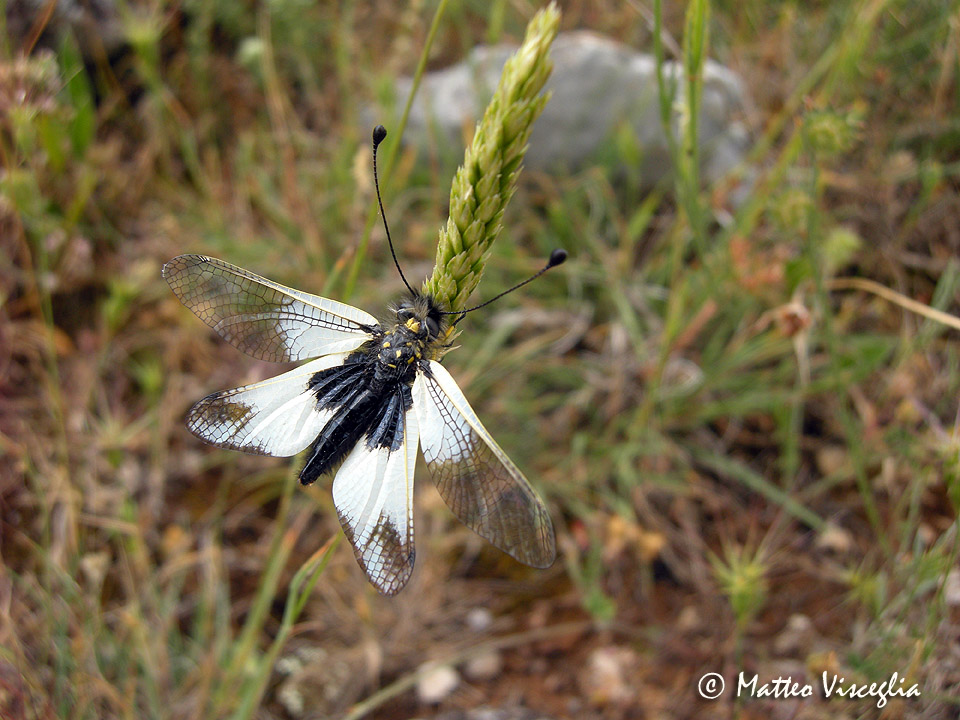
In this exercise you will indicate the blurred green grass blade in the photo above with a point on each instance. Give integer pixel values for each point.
(276, 560)
(83, 125)
(300, 588)
(943, 295)
(695, 40)
(640, 219)
(666, 87)
(50, 133)
(757, 483)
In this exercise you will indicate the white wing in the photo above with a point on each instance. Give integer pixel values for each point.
(276, 417)
(262, 318)
(476, 479)
(373, 494)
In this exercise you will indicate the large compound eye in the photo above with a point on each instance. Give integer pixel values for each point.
(433, 327)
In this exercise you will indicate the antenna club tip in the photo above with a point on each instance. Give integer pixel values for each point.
(379, 133)
(557, 257)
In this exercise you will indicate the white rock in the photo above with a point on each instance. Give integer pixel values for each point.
(485, 666)
(607, 679)
(436, 684)
(834, 538)
(479, 619)
(597, 84)
(951, 590)
(796, 636)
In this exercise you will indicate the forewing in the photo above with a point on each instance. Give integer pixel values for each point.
(276, 417)
(262, 318)
(476, 479)
(373, 494)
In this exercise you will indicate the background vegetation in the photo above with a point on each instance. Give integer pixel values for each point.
(748, 446)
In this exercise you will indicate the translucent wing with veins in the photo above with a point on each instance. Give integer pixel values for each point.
(262, 318)
(476, 479)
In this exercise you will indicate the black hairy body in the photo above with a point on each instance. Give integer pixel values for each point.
(369, 394)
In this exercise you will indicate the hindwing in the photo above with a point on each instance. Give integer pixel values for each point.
(373, 494)
(278, 417)
(476, 479)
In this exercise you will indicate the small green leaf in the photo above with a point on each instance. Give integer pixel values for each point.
(79, 94)
(796, 271)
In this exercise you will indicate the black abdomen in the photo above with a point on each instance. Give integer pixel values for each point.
(363, 408)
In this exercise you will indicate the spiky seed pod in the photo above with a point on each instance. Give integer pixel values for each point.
(487, 179)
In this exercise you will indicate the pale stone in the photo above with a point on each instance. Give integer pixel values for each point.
(598, 86)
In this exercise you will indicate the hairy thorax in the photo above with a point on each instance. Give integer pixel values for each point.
(398, 352)
(408, 339)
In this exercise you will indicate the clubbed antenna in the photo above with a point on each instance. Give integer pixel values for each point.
(379, 133)
(557, 257)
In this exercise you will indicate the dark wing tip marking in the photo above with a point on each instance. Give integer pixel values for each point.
(546, 553)
(217, 421)
(386, 559)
